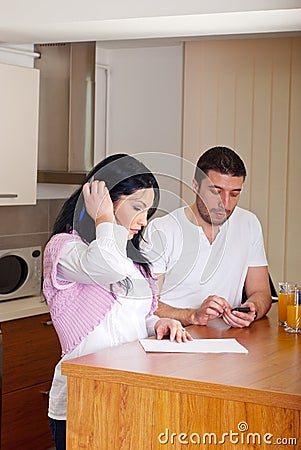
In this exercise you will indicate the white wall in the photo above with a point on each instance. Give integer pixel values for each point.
(145, 110)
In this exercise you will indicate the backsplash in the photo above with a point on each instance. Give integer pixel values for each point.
(25, 226)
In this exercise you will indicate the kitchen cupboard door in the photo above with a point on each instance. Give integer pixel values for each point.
(25, 423)
(31, 350)
(19, 94)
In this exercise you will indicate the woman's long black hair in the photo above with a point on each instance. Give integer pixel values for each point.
(123, 175)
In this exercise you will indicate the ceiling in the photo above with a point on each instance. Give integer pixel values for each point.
(36, 21)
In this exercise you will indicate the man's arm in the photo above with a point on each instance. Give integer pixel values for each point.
(164, 310)
(210, 309)
(258, 290)
(184, 315)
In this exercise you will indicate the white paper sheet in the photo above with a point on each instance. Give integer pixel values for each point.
(195, 346)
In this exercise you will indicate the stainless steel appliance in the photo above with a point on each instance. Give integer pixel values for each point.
(20, 272)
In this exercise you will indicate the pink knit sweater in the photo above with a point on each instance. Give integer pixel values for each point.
(76, 308)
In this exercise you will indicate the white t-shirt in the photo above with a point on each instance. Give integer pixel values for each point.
(195, 269)
(125, 322)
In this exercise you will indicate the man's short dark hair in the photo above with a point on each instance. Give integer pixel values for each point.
(222, 160)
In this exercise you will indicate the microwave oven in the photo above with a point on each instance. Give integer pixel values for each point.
(20, 273)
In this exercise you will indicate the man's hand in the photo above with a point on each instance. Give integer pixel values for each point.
(211, 308)
(238, 319)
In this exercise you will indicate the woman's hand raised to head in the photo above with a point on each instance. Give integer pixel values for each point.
(98, 202)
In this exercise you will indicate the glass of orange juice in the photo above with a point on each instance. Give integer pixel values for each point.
(286, 296)
(293, 318)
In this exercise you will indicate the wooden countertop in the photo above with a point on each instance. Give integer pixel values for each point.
(22, 307)
(269, 374)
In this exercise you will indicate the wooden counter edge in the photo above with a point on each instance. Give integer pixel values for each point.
(186, 386)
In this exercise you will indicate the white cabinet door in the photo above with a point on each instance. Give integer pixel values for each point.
(19, 101)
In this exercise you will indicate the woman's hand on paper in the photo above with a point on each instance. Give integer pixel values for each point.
(173, 328)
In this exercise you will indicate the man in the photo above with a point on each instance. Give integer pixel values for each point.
(205, 253)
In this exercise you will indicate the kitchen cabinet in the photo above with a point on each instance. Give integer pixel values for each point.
(19, 93)
(30, 351)
(66, 116)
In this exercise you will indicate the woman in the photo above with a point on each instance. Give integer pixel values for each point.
(97, 284)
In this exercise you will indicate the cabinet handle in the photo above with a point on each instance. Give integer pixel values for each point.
(47, 323)
(8, 195)
(45, 393)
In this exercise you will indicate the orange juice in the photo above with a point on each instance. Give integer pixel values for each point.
(282, 307)
(294, 317)
(290, 298)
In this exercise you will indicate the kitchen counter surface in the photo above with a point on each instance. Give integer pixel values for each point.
(22, 307)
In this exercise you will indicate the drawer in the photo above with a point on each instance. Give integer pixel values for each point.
(24, 419)
(30, 352)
